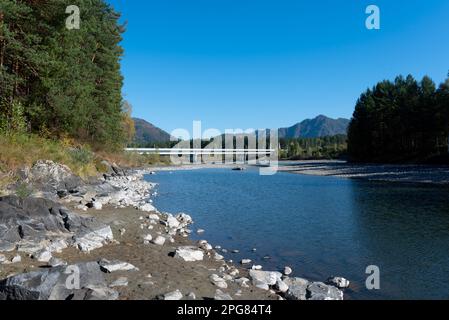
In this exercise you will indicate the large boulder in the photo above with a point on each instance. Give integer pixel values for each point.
(27, 224)
(83, 281)
(49, 176)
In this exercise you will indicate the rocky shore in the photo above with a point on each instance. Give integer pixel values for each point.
(64, 238)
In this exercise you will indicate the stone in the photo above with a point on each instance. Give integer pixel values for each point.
(174, 295)
(191, 296)
(147, 238)
(243, 282)
(147, 208)
(246, 261)
(116, 265)
(281, 286)
(264, 279)
(256, 267)
(297, 288)
(218, 281)
(203, 244)
(172, 222)
(120, 282)
(122, 231)
(153, 216)
(2, 258)
(220, 295)
(189, 254)
(94, 239)
(288, 271)
(218, 257)
(200, 231)
(55, 262)
(321, 291)
(43, 256)
(339, 282)
(51, 284)
(97, 205)
(16, 259)
(159, 241)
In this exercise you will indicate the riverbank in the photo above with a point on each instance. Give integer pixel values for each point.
(424, 174)
(109, 231)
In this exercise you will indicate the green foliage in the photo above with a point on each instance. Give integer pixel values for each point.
(333, 147)
(23, 191)
(67, 81)
(404, 120)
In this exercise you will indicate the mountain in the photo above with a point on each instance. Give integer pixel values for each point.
(147, 133)
(321, 126)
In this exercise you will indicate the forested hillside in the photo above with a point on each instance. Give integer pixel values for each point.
(62, 83)
(398, 121)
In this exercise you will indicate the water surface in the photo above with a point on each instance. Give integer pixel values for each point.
(321, 226)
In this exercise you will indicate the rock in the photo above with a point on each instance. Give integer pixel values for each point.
(56, 284)
(243, 282)
(94, 239)
(2, 258)
(321, 291)
(199, 231)
(120, 282)
(191, 296)
(57, 245)
(218, 281)
(122, 231)
(235, 251)
(175, 295)
(153, 216)
(43, 256)
(256, 267)
(203, 244)
(147, 238)
(288, 271)
(55, 262)
(218, 257)
(97, 205)
(147, 208)
(246, 261)
(297, 288)
(264, 279)
(227, 277)
(339, 282)
(16, 259)
(184, 219)
(49, 176)
(281, 286)
(220, 295)
(172, 222)
(116, 265)
(159, 241)
(189, 254)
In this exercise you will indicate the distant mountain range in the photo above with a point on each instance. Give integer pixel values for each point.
(147, 133)
(321, 126)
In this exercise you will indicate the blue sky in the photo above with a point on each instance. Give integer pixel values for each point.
(271, 63)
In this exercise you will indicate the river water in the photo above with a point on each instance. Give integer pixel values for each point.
(321, 226)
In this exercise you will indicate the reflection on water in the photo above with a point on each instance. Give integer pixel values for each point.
(321, 226)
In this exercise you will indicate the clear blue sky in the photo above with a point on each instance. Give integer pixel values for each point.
(271, 63)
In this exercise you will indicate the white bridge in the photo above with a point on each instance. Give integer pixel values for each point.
(203, 151)
(195, 155)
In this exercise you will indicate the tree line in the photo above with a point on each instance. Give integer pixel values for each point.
(399, 121)
(62, 82)
(332, 147)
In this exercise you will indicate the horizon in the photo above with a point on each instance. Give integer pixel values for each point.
(255, 65)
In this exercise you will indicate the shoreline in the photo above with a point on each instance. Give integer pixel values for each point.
(146, 254)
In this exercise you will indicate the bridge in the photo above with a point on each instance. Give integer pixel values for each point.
(195, 153)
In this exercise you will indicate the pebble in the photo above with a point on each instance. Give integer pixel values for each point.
(288, 271)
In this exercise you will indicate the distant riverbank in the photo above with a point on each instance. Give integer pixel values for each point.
(426, 174)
